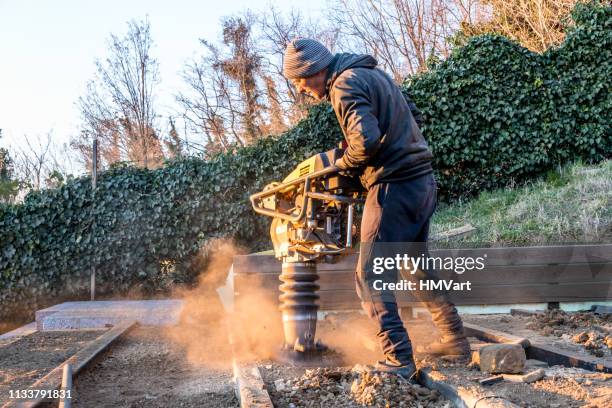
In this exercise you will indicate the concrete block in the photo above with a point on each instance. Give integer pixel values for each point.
(104, 313)
(502, 358)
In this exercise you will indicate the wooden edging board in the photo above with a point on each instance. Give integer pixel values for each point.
(462, 398)
(53, 380)
(250, 388)
(555, 356)
(495, 336)
(512, 275)
(537, 351)
(17, 334)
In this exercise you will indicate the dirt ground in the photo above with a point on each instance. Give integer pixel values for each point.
(28, 359)
(346, 387)
(561, 387)
(144, 369)
(189, 365)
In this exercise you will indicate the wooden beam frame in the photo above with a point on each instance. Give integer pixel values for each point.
(53, 380)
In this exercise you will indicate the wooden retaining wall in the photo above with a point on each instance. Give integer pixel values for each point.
(511, 275)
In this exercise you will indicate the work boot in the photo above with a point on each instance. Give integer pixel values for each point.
(452, 338)
(407, 372)
(446, 346)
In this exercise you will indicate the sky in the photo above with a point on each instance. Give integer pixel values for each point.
(48, 49)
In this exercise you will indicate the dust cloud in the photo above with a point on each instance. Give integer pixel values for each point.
(353, 335)
(251, 330)
(211, 335)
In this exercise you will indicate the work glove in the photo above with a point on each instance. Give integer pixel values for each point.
(339, 163)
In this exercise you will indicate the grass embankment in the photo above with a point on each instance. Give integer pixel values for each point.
(569, 205)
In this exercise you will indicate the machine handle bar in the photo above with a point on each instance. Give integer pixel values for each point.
(257, 197)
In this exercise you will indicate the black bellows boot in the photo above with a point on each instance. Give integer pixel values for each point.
(452, 337)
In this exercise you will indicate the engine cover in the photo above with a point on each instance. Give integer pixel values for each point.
(312, 210)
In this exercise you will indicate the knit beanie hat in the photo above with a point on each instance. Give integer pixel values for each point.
(305, 57)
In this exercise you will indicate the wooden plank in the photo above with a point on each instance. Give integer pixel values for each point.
(479, 294)
(499, 275)
(531, 293)
(53, 379)
(496, 336)
(565, 270)
(539, 351)
(540, 255)
(521, 281)
(20, 332)
(346, 263)
(554, 356)
(535, 255)
(542, 274)
(344, 292)
(514, 275)
(66, 387)
(250, 388)
(17, 334)
(347, 299)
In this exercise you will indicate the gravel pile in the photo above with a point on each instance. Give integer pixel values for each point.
(343, 387)
(585, 328)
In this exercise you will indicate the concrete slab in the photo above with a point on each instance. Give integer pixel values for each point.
(102, 313)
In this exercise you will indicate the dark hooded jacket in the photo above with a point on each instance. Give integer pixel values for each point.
(384, 141)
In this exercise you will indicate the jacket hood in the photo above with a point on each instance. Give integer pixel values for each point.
(342, 62)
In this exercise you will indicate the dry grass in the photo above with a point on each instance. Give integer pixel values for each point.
(570, 205)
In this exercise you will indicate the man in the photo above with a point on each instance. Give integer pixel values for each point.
(388, 151)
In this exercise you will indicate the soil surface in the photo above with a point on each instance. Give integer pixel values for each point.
(583, 333)
(31, 357)
(144, 369)
(187, 365)
(293, 387)
(561, 386)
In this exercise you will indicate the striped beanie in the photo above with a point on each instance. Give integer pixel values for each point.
(305, 57)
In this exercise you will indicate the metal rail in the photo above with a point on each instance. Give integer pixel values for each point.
(305, 180)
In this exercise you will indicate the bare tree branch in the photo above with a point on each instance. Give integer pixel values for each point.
(37, 159)
(404, 35)
(119, 107)
(535, 24)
